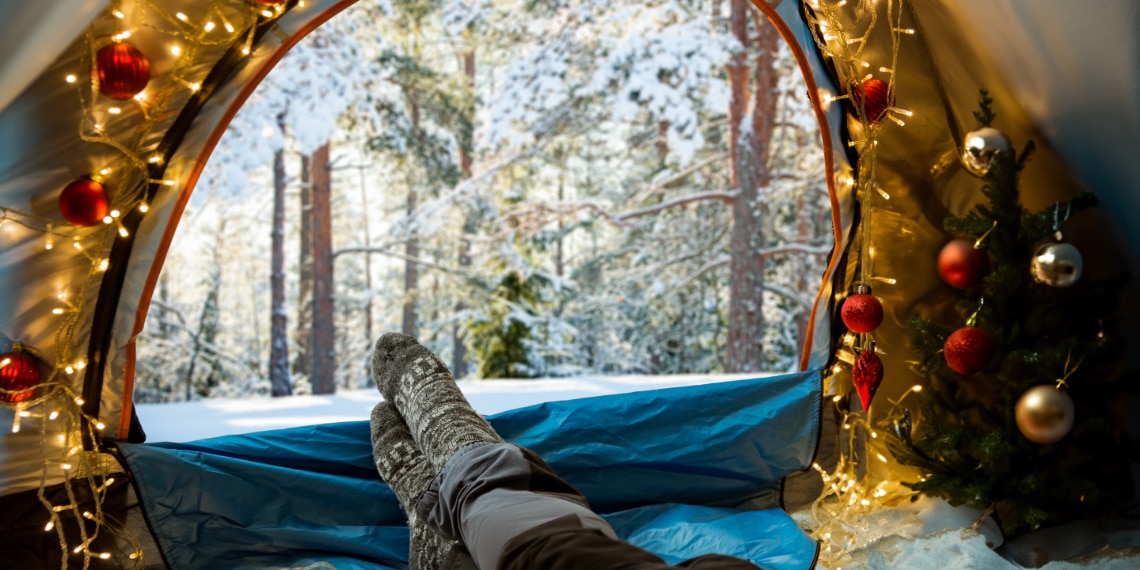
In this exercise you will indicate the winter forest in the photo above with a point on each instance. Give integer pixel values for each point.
(533, 189)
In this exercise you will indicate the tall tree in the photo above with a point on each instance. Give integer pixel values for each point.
(303, 332)
(279, 378)
(323, 337)
(466, 144)
(750, 176)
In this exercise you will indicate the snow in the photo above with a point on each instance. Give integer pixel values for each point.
(930, 534)
(189, 421)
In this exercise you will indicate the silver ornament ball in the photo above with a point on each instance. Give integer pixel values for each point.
(1044, 414)
(1057, 264)
(981, 148)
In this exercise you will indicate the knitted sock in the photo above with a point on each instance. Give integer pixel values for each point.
(424, 393)
(406, 471)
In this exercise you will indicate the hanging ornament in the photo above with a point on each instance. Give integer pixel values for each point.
(19, 373)
(1044, 414)
(867, 375)
(968, 350)
(873, 96)
(84, 202)
(981, 149)
(1057, 264)
(122, 70)
(862, 312)
(961, 265)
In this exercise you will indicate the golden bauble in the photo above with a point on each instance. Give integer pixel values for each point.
(1045, 414)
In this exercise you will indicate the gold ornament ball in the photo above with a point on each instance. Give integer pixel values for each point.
(1057, 264)
(1044, 414)
(981, 149)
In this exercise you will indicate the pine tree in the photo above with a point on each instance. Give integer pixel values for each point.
(966, 439)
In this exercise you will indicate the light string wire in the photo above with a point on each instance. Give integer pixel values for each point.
(854, 488)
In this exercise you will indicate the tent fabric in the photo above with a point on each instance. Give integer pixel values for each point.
(35, 33)
(665, 466)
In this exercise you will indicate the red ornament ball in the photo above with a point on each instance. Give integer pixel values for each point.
(123, 71)
(873, 96)
(968, 350)
(862, 313)
(867, 375)
(961, 265)
(19, 373)
(84, 202)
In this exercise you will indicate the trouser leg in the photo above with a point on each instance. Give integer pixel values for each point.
(487, 494)
(513, 512)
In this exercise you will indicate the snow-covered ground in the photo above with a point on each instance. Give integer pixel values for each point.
(212, 418)
(925, 535)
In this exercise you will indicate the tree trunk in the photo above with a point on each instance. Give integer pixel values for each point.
(304, 329)
(367, 259)
(207, 320)
(324, 330)
(412, 246)
(749, 175)
(458, 346)
(279, 381)
(411, 274)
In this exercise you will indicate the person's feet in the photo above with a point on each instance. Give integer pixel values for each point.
(406, 471)
(422, 390)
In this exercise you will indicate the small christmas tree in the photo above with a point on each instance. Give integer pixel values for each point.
(1016, 411)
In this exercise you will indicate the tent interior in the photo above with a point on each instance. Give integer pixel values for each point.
(726, 461)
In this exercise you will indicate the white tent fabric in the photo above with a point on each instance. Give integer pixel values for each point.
(34, 35)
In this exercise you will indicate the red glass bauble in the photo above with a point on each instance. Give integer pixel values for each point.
(867, 375)
(968, 350)
(19, 373)
(961, 265)
(123, 71)
(84, 202)
(862, 313)
(873, 96)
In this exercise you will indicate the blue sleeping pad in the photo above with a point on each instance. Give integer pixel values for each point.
(665, 467)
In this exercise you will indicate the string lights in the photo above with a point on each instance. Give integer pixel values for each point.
(865, 478)
(125, 104)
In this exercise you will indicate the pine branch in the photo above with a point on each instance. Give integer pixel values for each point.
(985, 115)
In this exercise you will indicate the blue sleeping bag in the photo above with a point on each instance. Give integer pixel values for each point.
(665, 467)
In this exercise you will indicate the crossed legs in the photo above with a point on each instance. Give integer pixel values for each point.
(473, 500)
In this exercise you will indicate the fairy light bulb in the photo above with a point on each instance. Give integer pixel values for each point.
(209, 27)
(176, 50)
(182, 17)
(144, 208)
(71, 78)
(50, 525)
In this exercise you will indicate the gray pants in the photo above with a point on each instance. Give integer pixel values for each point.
(512, 511)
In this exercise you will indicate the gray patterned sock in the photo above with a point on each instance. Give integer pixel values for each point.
(404, 468)
(424, 393)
